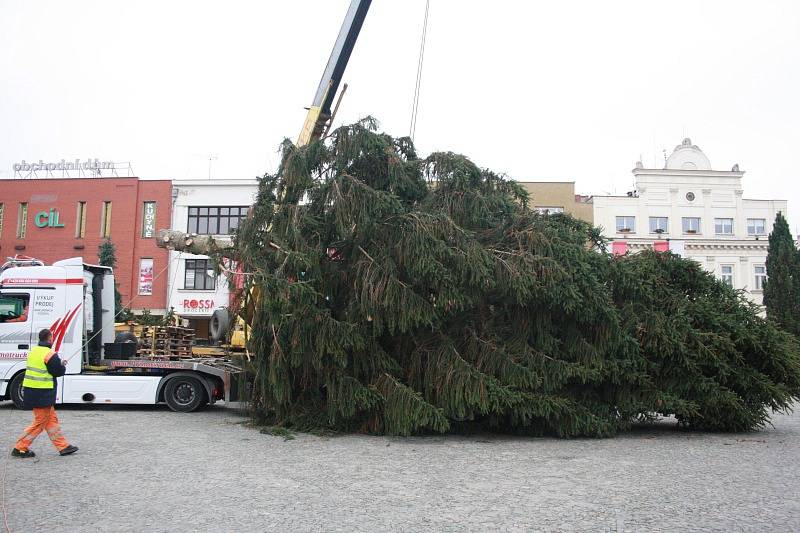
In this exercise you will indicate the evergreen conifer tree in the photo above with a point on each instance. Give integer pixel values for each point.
(782, 288)
(107, 256)
(393, 294)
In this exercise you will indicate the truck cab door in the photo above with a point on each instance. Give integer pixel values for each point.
(16, 332)
(49, 311)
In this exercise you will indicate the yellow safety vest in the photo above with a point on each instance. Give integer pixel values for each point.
(36, 374)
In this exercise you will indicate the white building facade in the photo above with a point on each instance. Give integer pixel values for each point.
(204, 207)
(697, 212)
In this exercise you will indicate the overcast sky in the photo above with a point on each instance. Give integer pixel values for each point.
(563, 90)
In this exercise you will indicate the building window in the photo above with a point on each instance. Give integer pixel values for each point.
(723, 226)
(198, 275)
(761, 276)
(1, 219)
(148, 220)
(105, 221)
(659, 224)
(691, 225)
(22, 220)
(80, 221)
(626, 224)
(548, 210)
(756, 226)
(690, 196)
(726, 274)
(215, 220)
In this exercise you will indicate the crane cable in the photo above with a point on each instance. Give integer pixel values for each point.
(415, 104)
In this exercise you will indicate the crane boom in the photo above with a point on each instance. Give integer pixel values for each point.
(320, 111)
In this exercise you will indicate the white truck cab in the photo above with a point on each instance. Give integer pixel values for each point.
(75, 301)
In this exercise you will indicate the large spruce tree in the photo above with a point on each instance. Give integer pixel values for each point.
(782, 288)
(397, 295)
(107, 256)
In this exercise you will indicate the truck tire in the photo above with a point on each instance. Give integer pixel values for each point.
(125, 336)
(15, 390)
(184, 394)
(219, 325)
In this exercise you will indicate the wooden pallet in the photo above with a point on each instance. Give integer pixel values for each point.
(166, 341)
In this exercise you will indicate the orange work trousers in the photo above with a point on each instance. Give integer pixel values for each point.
(44, 419)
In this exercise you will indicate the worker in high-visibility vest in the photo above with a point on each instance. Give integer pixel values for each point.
(39, 393)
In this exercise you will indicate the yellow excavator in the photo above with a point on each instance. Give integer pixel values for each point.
(318, 121)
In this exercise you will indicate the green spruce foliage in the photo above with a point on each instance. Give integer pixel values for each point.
(401, 295)
(146, 318)
(107, 256)
(782, 289)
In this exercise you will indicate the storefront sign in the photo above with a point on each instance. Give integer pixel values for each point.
(63, 165)
(149, 220)
(47, 219)
(145, 277)
(198, 306)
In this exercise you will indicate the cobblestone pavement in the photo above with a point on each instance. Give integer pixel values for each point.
(148, 469)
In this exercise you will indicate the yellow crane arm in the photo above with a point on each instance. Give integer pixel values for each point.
(320, 111)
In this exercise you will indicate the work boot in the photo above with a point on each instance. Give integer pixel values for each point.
(23, 455)
(68, 450)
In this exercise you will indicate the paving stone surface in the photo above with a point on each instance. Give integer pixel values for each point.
(148, 469)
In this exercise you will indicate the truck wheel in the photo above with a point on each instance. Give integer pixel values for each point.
(16, 391)
(219, 325)
(184, 394)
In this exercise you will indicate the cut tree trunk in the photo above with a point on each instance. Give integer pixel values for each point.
(192, 243)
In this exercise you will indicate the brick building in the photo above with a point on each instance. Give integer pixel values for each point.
(53, 219)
